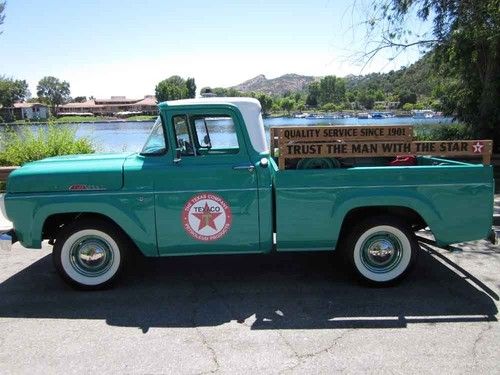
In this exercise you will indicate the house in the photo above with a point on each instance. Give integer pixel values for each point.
(116, 105)
(25, 111)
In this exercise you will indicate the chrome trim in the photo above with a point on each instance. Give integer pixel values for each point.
(304, 248)
(379, 186)
(248, 167)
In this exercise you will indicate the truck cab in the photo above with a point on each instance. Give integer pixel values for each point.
(215, 152)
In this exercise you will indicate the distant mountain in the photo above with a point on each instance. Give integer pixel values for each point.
(419, 78)
(276, 86)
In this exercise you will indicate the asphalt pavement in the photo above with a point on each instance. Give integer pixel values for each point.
(283, 313)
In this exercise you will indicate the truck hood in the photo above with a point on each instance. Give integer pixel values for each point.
(69, 173)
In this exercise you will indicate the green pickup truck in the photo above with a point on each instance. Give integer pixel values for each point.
(205, 183)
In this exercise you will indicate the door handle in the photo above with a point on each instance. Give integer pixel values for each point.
(248, 167)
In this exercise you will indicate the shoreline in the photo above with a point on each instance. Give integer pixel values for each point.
(436, 121)
(73, 122)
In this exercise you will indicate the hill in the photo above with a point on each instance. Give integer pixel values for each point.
(418, 78)
(275, 86)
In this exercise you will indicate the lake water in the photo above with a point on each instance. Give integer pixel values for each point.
(130, 136)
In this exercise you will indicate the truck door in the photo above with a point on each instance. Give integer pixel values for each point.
(207, 202)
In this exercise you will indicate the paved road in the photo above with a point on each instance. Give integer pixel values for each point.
(253, 314)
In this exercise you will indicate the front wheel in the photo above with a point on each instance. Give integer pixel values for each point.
(382, 250)
(90, 254)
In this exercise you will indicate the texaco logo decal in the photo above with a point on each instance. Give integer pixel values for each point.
(206, 217)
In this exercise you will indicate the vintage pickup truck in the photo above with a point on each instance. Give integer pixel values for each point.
(205, 183)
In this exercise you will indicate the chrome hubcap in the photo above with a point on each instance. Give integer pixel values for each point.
(91, 256)
(381, 252)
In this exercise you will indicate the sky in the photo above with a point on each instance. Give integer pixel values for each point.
(112, 47)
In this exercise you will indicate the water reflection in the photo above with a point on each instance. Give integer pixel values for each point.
(130, 136)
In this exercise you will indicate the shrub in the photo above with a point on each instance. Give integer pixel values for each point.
(29, 145)
(329, 107)
(407, 107)
(447, 132)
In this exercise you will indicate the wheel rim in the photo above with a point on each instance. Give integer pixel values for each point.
(91, 256)
(381, 252)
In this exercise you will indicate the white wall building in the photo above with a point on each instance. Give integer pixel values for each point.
(30, 111)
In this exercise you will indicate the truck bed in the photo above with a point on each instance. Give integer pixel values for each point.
(453, 198)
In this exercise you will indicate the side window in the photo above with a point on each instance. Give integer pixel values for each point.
(215, 134)
(155, 144)
(183, 137)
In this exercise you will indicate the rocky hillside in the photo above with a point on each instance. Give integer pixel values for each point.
(275, 86)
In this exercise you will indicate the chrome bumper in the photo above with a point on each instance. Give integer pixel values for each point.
(6, 240)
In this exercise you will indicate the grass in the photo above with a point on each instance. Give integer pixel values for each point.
(83, 119)
(141, 118)
(26, 145)
(61, 120)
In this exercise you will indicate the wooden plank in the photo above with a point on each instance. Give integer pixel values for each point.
(345, 149)
(281, 162)
(5, 172)
(480, 148)
(274, 140)
(455, 148)
(344, 133)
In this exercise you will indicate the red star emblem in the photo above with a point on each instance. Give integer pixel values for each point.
(478, 147)
(207, 218)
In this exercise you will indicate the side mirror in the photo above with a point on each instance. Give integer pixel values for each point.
(264, 162)
(206, 141)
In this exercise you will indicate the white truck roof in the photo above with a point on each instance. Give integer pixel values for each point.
(250, 110)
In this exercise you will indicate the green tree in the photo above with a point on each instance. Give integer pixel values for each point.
(191, 87)
(351, 96)
(312, 98)
(300, 105)
(466, 49)
(266, 102)
(206, 91)
(2, 14)
(172, 88)
(287, 104)
(366, 98)
(79, 99)
(407, 107)
(232, 92)
(331, 90)
(12, 91)
(329, 107)
(327, 89)
(407, 97)
(53, 91)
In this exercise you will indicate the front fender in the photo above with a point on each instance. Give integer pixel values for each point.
(134, 213)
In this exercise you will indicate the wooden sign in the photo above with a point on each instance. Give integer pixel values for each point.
(346, 149)
(345, 133)
(298, 142)
(480, 148)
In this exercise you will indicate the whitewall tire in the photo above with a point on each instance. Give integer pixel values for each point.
(90, 255)
(382, 250)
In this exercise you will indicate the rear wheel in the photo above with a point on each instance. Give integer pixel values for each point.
(382, 250)
(90, 254)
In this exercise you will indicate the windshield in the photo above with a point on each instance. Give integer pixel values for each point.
(156, 140)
